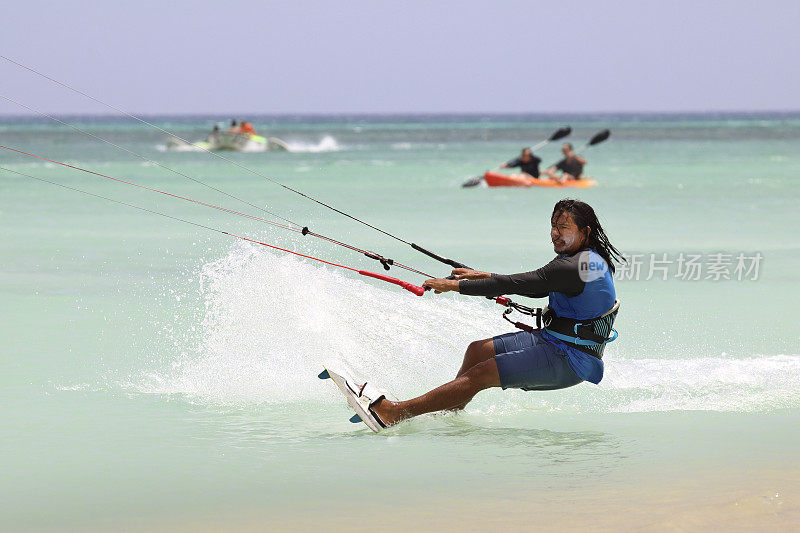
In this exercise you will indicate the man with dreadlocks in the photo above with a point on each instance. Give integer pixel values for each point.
(566, 351)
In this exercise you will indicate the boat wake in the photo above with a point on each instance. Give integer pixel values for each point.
(185, 147)
(326, 144)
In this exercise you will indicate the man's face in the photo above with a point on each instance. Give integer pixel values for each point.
(566, 236)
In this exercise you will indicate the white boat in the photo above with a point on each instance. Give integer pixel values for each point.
(230, 140)
(243, 142)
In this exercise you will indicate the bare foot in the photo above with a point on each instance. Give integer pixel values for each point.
(387, 411)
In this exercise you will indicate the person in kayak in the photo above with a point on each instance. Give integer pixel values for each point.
(527, 163)
(580, 286)
(571, 166)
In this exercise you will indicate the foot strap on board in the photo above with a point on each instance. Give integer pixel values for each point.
(368, 395)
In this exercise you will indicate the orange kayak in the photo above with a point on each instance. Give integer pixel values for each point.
(495, 179)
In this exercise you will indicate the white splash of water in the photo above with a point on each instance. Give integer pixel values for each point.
(185, 147)
(326, 144)
(270, 322)
(706, 384)
(402, 146)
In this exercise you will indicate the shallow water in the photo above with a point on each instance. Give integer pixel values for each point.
(155, 368)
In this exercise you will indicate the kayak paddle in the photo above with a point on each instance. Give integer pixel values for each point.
(560, 133)
(597, 139)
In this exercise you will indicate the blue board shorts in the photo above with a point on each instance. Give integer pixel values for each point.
(526, 361)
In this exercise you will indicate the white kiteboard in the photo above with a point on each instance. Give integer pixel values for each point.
(360, 396)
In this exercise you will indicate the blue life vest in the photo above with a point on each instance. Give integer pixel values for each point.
(592, 311)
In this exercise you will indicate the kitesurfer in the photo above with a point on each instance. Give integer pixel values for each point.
(527, 163)
(571, 166)
(582, 301)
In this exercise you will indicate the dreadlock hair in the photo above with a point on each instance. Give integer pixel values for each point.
(584, 216)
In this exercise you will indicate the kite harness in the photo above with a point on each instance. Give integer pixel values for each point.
(587, 335)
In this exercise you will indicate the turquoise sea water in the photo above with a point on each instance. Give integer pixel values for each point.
(156, 374)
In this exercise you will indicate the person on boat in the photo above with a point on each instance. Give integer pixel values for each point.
(571, 166)
(247, 128)
(527, 163)
(234, 127)
(541, 359)
(214, 132)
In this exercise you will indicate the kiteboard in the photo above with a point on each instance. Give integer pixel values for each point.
(360, 396)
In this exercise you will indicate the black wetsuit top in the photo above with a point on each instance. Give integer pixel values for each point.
(531, 167)
(559, 275)
(573, 167)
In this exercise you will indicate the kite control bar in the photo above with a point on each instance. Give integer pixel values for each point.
(410, 287)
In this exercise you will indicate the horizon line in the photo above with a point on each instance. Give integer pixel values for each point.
(412, 113)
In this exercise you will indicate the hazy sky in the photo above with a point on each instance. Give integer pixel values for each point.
(175, 56)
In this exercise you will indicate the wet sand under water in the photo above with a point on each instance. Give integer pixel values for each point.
(745, 500)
